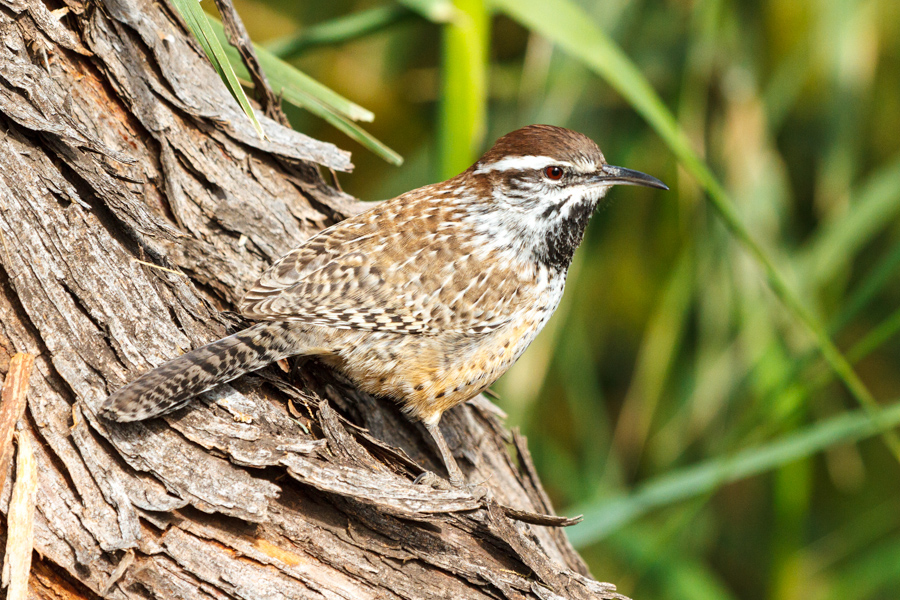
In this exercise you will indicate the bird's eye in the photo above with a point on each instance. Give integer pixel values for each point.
(553, 172)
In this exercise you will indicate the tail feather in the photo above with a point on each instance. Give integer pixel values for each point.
(173, 384)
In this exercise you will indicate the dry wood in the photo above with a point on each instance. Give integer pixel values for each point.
(12, 406)
(119, 149)
(20, 526)
(20, 522)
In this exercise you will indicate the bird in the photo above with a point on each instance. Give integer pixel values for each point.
(425, 299)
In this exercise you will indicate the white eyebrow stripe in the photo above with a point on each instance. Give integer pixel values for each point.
(516, 163)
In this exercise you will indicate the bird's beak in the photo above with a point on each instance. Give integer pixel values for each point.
(610, 175)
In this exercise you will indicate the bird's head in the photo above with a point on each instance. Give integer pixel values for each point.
(542, 183)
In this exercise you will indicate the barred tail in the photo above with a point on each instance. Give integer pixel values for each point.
(173, 384)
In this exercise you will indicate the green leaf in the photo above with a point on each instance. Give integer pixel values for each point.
(438, 11)
(339, 30)
(607, 515)
(199, 25)
(302, 90)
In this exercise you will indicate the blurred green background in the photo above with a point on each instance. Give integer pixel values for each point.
(679, 397)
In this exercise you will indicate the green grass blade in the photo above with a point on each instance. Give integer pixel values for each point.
(297, 87)
(876, 280)
(875, 206)
(607, 515)
(437, 11)
(339, 31)
(880, 334)
(200, 26)
(355, 132)
(871, 575)
(464, 88)
(568, 26)
(789, 386)
(301, 90)
(852, 536)
(659, 349)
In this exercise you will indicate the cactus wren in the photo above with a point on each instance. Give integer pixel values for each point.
(426, 298)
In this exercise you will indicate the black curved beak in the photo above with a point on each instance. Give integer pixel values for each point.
(621, 176)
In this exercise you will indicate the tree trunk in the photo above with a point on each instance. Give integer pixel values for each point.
(136, 202)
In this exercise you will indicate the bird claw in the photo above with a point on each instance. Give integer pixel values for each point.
(478, 491)
(431, 480)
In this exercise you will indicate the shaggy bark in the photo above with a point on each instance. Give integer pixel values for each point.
(136, 204)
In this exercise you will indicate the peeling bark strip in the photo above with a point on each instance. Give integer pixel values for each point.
(20, 521)
(20, 525)
(119, 148)
(12, 406)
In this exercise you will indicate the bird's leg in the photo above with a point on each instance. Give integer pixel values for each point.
(457, 479)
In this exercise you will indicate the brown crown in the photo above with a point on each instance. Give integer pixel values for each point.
(543, 140)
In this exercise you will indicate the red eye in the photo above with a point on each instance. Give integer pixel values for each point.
(555, 173)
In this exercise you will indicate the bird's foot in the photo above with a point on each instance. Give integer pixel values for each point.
(478, 491)
(430, 479)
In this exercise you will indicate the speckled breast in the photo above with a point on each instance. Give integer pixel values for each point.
(428, 374)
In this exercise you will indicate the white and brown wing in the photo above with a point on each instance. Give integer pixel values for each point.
(407, 266)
